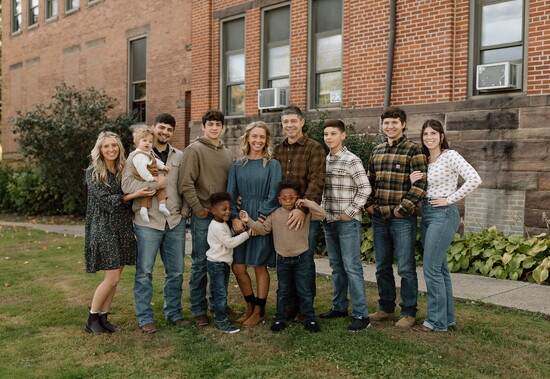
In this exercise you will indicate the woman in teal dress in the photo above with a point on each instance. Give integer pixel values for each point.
(254, 179)
(109, 236)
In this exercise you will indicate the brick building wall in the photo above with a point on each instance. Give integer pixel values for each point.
(89, 47)
(506, 136)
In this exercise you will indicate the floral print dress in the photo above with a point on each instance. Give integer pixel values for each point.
(110, 242)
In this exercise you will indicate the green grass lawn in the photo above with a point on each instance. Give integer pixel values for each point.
(44, 295)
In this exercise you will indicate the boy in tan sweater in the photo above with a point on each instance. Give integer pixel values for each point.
(290, 244)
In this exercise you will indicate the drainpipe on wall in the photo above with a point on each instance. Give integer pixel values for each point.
(391, 49)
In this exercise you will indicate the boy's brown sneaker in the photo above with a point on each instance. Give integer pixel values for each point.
(380, 315)
(406, 321)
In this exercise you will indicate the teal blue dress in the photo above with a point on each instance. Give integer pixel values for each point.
(258, 187)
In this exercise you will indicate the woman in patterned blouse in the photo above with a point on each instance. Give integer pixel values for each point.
(440, 221)
(109, 237)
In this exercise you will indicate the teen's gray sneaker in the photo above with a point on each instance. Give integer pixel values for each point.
(225, 326)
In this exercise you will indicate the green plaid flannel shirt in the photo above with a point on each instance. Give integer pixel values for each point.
(389, 170)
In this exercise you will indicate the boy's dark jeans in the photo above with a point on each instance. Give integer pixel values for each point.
(296, 268)
(219, 280)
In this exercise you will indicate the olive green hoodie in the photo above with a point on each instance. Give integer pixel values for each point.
(203, 171)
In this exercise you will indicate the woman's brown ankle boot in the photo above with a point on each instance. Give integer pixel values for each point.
(259, 315)
(250, 300)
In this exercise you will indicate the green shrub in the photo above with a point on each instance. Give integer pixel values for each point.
(6, 176)
(29, 193)
(491, 253)
(58, 137)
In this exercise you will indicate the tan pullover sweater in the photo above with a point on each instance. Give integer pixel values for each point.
(204, 171)
(288, 243)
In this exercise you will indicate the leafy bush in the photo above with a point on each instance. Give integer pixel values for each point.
(491, 253)
(6, 176)
(30, 194)
(57, 138)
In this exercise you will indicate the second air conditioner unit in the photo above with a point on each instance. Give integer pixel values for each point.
(273, 98)
(498, 76)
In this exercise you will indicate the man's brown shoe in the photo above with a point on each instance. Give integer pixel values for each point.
(201, 320)
(148, 328)
(179, 322)
(406, 321)
(380, 315)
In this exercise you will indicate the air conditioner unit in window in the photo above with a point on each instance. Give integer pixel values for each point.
(498, 76)
(273, 98)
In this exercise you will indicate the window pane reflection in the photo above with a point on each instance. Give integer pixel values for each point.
(279, 83)
(235, 68)
(235, 97)
(329, 52)
(330, 88)
(279, 61)
(502, 55)
(501, 23)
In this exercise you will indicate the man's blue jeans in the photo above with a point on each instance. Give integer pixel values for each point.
(439, 225)
(171, 243)
(343, 239)
(219, 280)
(296, 270)
(198, 279)
(395, 236)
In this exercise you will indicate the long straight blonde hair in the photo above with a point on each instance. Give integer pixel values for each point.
(98, 161)
(267, 153)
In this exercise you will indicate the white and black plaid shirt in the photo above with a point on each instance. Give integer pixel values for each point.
(347, 186)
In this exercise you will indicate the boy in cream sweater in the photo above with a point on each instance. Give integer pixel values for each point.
(290, 244)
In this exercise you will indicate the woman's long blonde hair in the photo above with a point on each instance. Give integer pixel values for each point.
(245, 146)
(98, 163)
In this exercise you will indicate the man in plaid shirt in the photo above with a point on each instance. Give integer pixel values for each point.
(347, 188)
(392, 205)
(302, 161)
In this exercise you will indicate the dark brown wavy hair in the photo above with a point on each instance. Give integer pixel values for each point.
(435, 125)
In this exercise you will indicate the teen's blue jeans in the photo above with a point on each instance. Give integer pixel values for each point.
(198, 279)
(219, 280)
(438, 227)
(171, 243)
(343, 239)
(294, 269)
(397, 237)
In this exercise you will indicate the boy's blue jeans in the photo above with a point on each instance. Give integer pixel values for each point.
(297, 269)
(343, 239)
(219, 280)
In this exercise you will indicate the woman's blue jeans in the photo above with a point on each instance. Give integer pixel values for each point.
(439, 225)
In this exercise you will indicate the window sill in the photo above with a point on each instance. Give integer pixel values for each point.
(51, 19)
(17, 33)
(32, 27)
(91, 4)
(71, 11)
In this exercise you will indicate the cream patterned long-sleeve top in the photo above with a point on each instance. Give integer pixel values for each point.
(443, 177)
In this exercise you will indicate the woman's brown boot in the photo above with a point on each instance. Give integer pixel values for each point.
(250, 299)
(259, 315)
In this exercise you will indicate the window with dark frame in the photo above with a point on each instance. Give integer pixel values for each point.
(16, 16)
(234, 61)
(138, 78)
(51, 9)
(276, 54)
(33, 12)
(326, 62)
(71, 4)
(499, 34)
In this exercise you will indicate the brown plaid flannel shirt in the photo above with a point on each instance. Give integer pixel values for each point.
(389, 170)
(304, 162)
